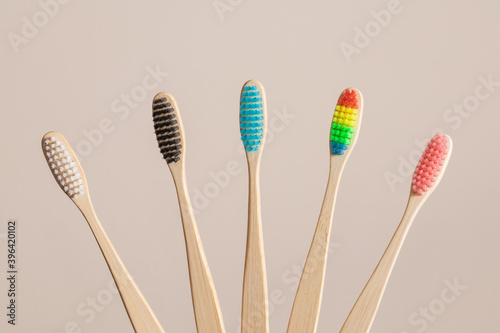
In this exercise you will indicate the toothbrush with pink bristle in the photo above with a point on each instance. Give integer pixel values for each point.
(428, 174)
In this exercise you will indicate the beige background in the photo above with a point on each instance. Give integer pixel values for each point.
(69, 76)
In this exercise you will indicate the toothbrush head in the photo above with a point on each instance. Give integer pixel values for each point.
(346, 121)
(168, 127)
(253, 116)
(432, 164)
(64, 165)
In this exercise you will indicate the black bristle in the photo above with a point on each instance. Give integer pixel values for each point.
(167, 133)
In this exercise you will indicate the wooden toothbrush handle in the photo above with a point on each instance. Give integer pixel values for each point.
(363, 313)
(206, 306)
(254, 312)
(140, 313)
(307, 303)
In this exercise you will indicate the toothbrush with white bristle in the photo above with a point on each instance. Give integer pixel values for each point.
(428, 174)
(170, 136)
(69, 175)
(254, 313)
(344, 131)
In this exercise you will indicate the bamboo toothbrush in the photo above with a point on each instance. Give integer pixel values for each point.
(170, 136)
(70, 177)
(254, 312)
(343, 134)
(428, 174)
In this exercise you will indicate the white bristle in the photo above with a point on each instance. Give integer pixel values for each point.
(63, 166)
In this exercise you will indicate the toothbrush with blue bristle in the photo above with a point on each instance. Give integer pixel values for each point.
(254, 313)
(344, 131)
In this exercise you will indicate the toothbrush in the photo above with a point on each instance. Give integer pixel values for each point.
(254, 313)
(343, 135)
(171, 141)
(428, 174)
(69, 175)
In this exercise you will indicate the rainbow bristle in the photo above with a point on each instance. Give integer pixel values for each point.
(344, 121)
(251, 116)
(430, 164)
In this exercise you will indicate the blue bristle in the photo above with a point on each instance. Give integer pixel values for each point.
(338, 148)
(250, 112)
(251, 118)
(250, 94)
(250, 106)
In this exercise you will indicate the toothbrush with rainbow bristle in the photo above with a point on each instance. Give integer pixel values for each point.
(343, 135)
(170, 136)
(254, 312)
(428, 174)
(69, 175)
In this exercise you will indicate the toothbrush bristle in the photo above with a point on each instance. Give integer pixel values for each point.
(63, 164)
(430, 164)
(344, 121)
(167, 127)
(252, 113)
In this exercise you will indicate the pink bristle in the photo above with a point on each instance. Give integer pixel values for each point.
(430, 164)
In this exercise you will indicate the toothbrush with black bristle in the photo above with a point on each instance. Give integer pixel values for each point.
(254, 312)
(343, 135)
(69, 175)
(426, 178)
(172, 144)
